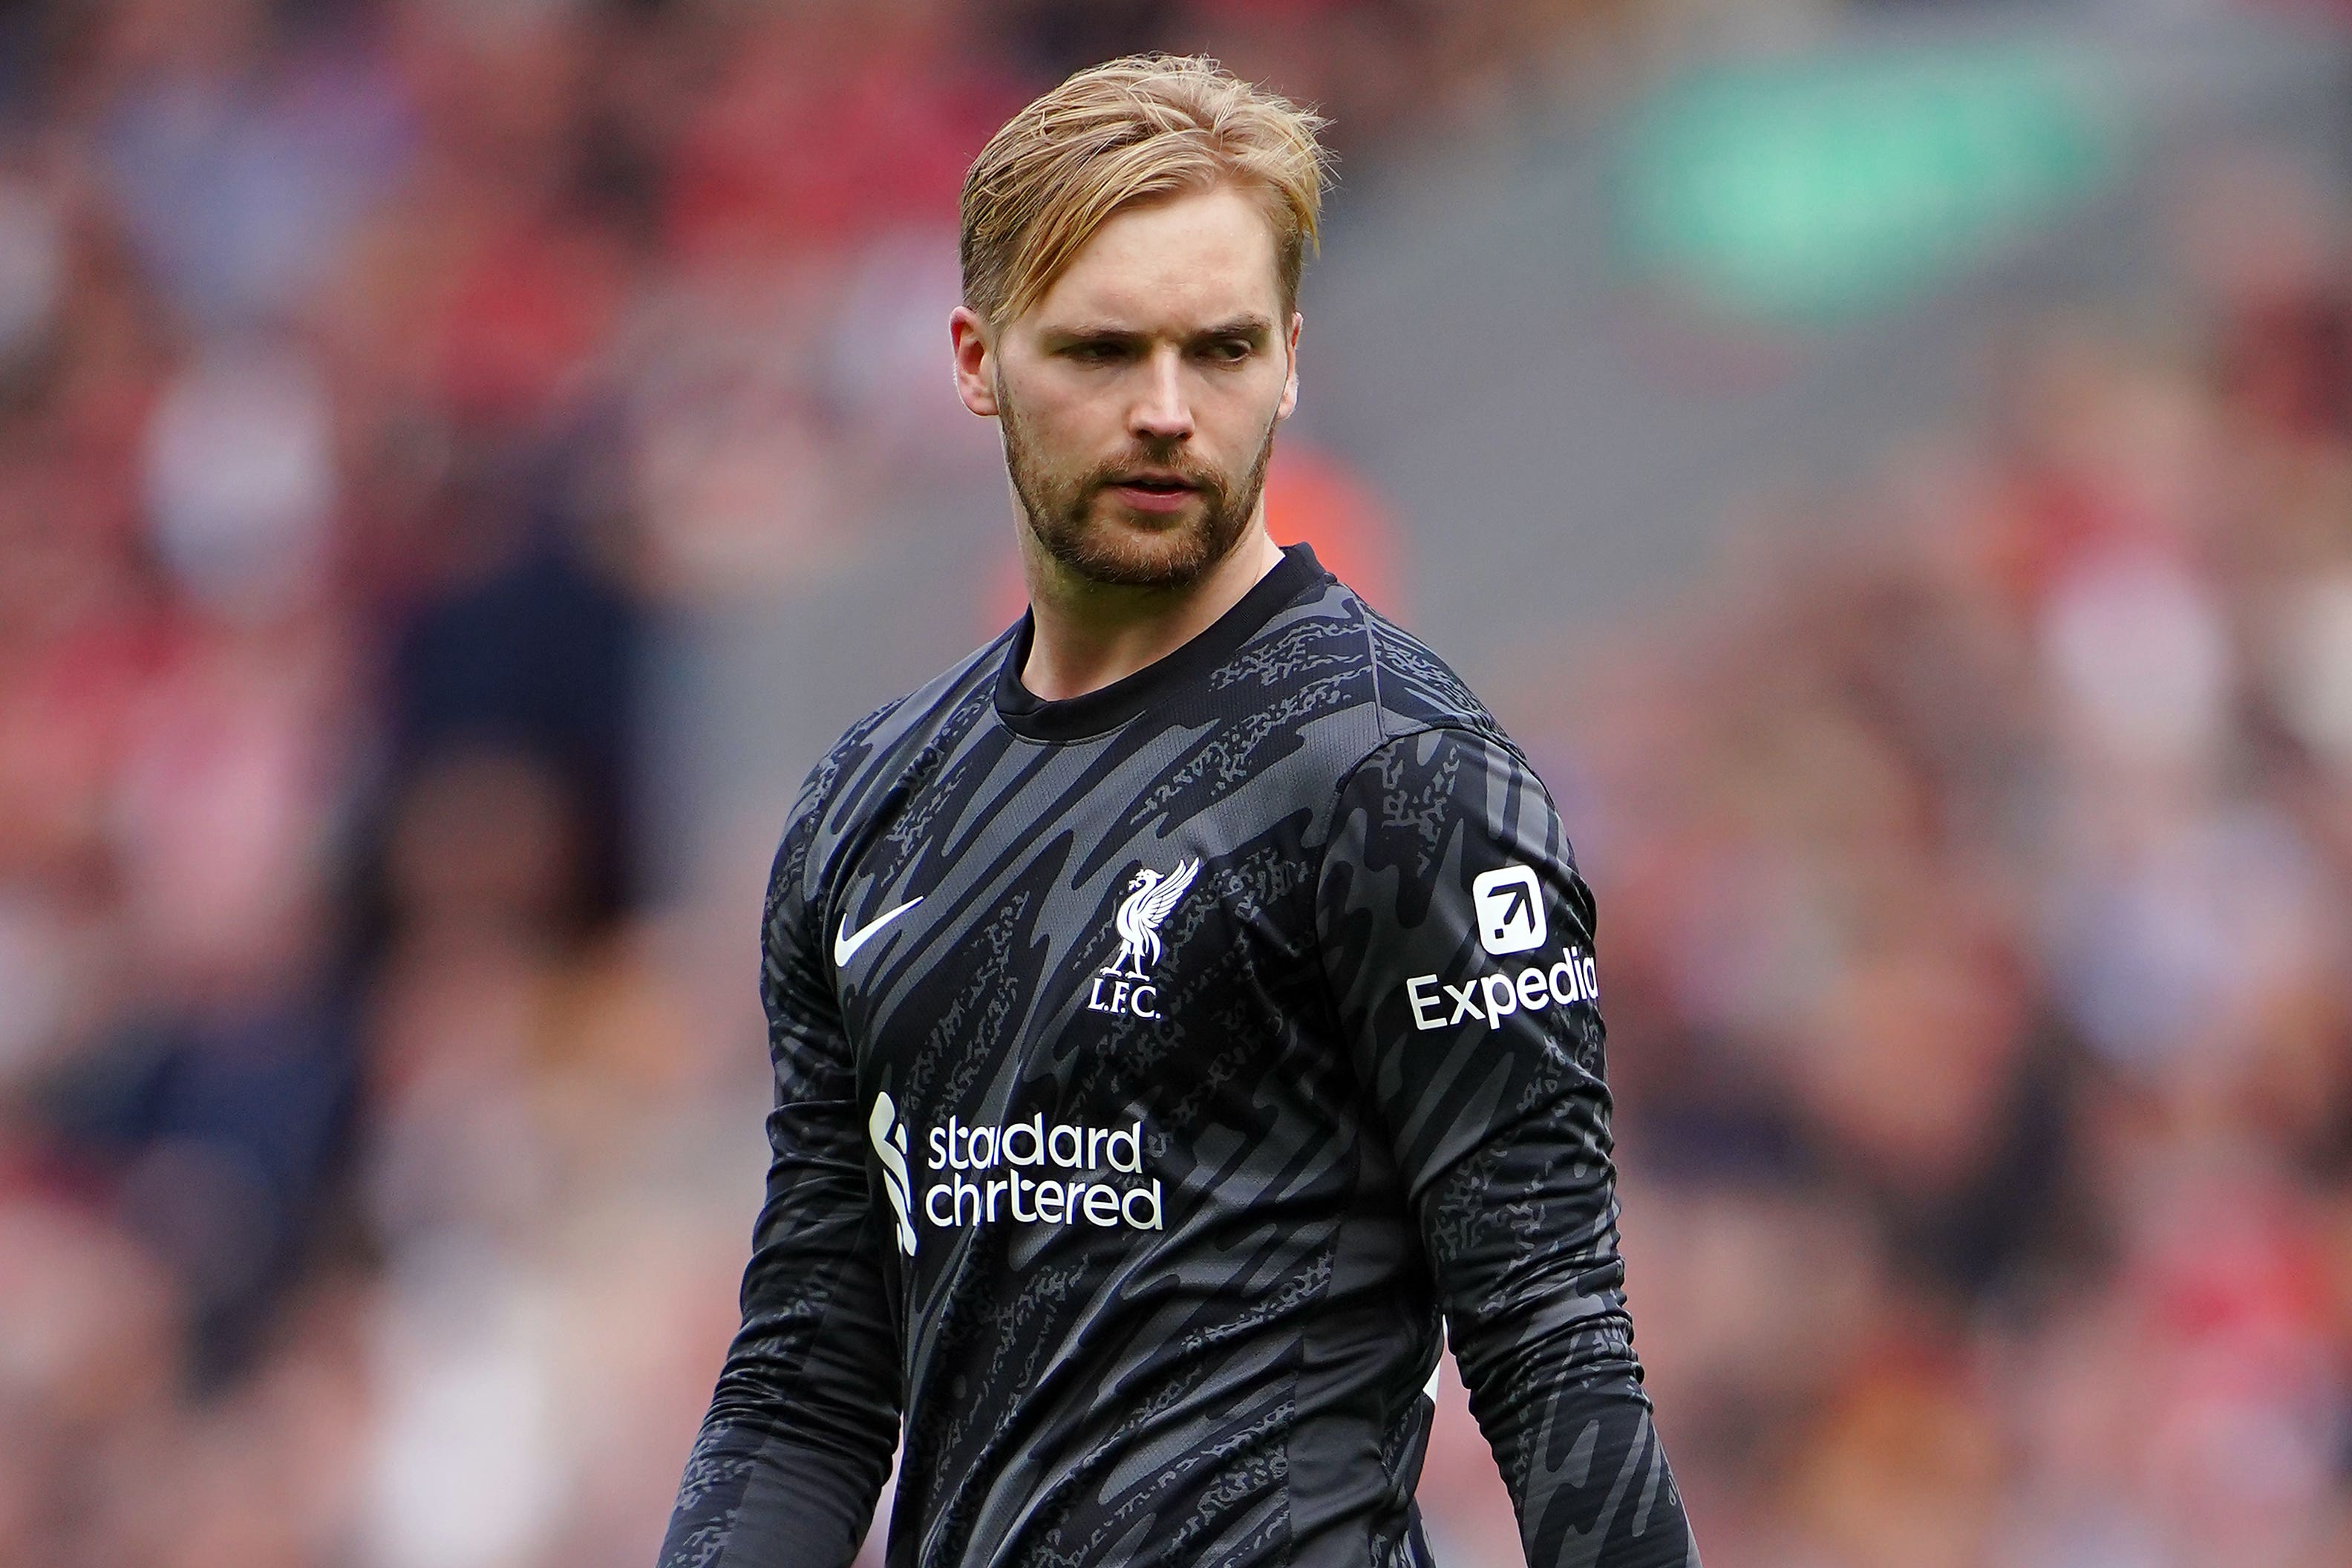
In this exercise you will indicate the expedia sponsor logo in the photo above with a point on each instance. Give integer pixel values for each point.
(1040, 1173)
(1510, 910)
(1489, 998)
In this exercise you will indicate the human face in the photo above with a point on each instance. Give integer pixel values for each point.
(1139, 396)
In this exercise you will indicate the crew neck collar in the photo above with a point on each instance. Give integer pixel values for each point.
(1106, 708)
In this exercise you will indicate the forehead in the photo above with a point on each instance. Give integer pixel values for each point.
(1176, 263)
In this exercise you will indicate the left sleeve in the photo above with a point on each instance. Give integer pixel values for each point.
(1457, 945)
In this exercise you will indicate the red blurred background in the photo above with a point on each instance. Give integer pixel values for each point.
(460, 463)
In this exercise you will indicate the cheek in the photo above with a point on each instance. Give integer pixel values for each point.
(1066, 428)
(1236, 418)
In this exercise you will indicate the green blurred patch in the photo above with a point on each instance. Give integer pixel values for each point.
(1814, 189)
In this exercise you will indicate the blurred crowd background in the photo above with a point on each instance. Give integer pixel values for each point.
(461, 461)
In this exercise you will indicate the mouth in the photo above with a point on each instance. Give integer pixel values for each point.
(1155, 484)
(1150, 493)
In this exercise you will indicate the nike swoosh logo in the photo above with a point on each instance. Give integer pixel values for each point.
(845, 943)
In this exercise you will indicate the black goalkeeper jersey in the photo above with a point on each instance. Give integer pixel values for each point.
(1152, 1069)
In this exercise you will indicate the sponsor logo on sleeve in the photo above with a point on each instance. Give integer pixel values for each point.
(1510, 910)
(1508, 906)
(1489, 999)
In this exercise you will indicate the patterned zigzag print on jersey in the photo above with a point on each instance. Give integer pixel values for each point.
(1154, 1071)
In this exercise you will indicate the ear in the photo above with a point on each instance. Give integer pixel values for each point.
(1290, 383)
(975, 370)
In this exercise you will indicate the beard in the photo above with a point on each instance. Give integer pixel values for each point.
(1076, 522)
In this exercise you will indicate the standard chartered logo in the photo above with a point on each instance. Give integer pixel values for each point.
(890, 1146)
(1030, 1173)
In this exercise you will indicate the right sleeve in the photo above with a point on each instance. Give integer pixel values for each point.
(1457, 939)
(798, 1439)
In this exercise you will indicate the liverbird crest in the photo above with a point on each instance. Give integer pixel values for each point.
(1150, 898)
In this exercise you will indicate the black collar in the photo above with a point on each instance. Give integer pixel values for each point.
(1106, 708)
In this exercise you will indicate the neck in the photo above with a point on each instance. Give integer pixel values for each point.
(1087, 635)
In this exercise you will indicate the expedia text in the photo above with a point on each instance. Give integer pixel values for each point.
(1489, 998)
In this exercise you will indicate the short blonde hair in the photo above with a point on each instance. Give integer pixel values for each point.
(1132, 129)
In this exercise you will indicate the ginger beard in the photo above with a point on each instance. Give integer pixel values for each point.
(1078, 522)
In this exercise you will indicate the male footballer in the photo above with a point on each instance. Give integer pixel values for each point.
(1186, 999)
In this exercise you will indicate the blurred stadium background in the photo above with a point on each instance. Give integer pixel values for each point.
(460, 462)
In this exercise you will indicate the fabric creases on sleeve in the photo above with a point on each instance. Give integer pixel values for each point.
(798, 1439)
(1457, 941)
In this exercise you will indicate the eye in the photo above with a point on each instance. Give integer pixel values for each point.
(1097, 352)
(1230, 351)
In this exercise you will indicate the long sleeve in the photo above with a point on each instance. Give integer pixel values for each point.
(800, 1432)
(1457, 941)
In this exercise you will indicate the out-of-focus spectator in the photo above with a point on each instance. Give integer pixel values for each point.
(381, 382)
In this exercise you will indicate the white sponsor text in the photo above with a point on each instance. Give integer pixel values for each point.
(1489, 998)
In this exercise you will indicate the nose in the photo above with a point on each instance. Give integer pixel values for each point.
(1161, 412)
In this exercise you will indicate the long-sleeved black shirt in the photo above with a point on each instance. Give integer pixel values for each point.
(1152, 1069)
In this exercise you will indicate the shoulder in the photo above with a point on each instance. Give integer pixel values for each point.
(1418, 691)
(1439, 765)
(1408, 692)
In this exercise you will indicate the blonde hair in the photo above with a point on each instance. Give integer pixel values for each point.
(1131, 130)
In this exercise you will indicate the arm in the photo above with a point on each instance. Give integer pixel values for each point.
(1486, 1069)
(800, 1432)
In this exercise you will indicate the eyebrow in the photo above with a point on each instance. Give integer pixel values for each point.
(1257, 329)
